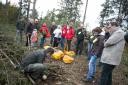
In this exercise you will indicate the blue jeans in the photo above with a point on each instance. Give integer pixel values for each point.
(91, 68)
(90, 45)
(62, 42)
(19, 36)
(42, 41)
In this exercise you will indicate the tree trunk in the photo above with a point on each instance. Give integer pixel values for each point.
(29, 1)
(20, 9)
(85, 11)
(34, 10)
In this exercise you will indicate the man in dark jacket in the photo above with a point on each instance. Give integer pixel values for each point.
(52, 28)
(29, 31)
(32, 63)
(80, 40)
(20, 26)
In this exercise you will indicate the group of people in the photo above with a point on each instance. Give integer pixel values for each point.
(108, 46)
(59, 35)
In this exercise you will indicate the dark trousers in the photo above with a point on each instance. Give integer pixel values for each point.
(79, 47)
(68, 47)
(28, 39)
(52, 38)
(56, 42)
(106, 75)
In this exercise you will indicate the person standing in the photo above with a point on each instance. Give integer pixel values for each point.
(29, 31)
(20, 27)
(36, 24)
(96, 52)
(80, 40)
(64, 30)
(52, 28)
(57, 36)
(34, 38)
(45, 33)
(112, 53)
(69, 35)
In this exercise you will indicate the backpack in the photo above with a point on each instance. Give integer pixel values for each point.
(126, 37)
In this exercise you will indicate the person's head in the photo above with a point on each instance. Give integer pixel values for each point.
(112, 26)
(44, 24)
(106, 29)
(53, 23)
(35, 30)
(59, 27)
(49, 51)
(96, 31)
(71, 24)
(81, 26)
(31, 21)
(36, 21)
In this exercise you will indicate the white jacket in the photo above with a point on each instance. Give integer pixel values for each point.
(57, 33)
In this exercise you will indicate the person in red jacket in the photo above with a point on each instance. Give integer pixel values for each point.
(64, 30)
(69, 36)
(45, 33)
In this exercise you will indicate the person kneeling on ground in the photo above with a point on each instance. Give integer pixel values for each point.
(32, 63)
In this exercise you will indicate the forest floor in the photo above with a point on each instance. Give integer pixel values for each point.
(71, 74)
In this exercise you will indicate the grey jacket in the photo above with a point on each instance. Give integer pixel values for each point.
(37, 56)
(113, 48)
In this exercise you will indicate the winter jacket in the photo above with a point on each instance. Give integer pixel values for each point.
(57, 33)
(80, 34)
(20, 25)
(36, 26)
(107, 35)
(113, 48)
(30, 28)
(52, 28)
(44, 31)
(98, 45)
(64, 30)
(34, 37)
(37, 56)
(126, 37)
(70, 33)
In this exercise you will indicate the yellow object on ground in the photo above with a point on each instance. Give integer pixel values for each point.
(69, 53)
(68, 59)
(46, 47)
(58, 55)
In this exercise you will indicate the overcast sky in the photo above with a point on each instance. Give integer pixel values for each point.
(93, 11)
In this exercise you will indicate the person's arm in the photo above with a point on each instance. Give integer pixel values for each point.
(113, 39)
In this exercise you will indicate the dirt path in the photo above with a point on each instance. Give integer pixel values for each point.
(74, 73)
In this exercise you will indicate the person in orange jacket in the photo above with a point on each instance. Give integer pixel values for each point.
(45, 33)
(69, 35)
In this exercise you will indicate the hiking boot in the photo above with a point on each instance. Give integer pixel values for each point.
(87, 80)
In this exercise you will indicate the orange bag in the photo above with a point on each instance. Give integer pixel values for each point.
(68, 59)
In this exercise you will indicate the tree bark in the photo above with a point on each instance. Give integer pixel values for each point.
(34, 10)
(85, 11)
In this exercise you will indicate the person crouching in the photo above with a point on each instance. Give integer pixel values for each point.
(33, 63)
